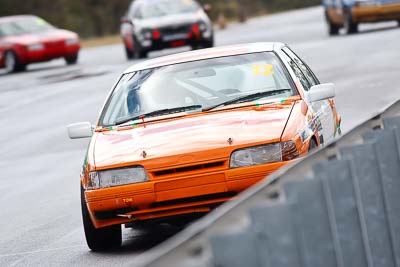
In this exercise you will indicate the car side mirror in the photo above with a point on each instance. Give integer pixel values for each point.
(207, 8)
(80, 130)
(320, 92)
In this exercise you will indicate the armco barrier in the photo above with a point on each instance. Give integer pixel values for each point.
(338, 207)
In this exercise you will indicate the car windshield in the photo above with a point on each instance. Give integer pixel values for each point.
(197, 86)
(160, 8)
(24, 25)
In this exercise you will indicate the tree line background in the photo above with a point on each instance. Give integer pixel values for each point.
(92, 18)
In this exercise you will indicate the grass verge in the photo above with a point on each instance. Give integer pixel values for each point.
(100, 41)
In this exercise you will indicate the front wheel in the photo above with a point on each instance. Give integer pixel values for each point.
(100, 239)
(12, 63)
(129, 53)
(349, 25)
(209, 43)
(205, 44)
(138, 53)
(333, 29)
(313, 145)
(71, 60)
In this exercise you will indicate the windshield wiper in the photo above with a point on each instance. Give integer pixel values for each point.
(248, 98)
(158, 113)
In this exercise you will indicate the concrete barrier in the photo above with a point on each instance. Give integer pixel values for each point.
(338, 207)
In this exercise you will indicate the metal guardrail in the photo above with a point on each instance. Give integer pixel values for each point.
(339, 206)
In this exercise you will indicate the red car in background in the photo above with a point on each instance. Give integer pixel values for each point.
(29, 39)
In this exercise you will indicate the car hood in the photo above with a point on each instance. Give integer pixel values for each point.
(166, 21)
(40, 37)
(194, 138)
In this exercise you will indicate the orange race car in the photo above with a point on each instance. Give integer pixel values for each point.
(181, 134)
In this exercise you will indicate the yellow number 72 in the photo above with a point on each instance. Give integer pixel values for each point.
(266, 69)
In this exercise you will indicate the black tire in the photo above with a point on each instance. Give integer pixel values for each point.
(100, 239)
(12, 63)
(71, 60)
(138, 53)
(209, 43)
(333, 29)
(313, 145)
(350, 26)
(129, 53)
(204, 44)
(197, 47)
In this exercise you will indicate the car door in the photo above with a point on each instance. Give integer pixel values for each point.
(323, 117)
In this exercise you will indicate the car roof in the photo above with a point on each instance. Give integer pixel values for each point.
(14, 18)
(202, 54)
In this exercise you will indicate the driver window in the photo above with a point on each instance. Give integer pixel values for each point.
(304, 68)
(297, 71)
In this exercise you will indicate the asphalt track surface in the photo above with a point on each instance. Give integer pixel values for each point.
(40, 220)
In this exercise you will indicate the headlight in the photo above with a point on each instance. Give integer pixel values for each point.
(72, 41)
(289, 151)
(145, 35)
(203, 27)
(35, 47)
(256, 155)
(263, 154)
(116, 177)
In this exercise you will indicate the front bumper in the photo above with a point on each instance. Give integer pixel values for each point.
(160, 44)
(172, 197)
(376, 13)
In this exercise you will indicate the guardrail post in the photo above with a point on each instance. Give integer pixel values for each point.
(274, 225)
(342, 206)
(311, 222)
(385, 146)
(371, 203)
(235, 250)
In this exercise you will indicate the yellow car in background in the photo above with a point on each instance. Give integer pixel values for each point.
(348, 14)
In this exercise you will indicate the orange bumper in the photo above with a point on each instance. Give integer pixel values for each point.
(171, 197)
(376, 13)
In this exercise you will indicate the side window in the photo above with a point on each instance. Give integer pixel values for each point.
(304, 68)
(299, 74)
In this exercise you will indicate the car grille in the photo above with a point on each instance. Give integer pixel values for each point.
(185, 169)
(175, 29)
